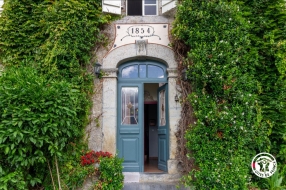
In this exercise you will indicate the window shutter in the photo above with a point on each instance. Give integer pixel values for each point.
(168, 5)
(1, 4)
(111, 6)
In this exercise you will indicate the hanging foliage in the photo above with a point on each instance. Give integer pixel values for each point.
(45, 87)
(221, 67)
(268, 36)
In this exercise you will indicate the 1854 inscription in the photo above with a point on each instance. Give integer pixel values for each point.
(141, 31)
(130, 33)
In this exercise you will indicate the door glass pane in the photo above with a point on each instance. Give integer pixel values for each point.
(150, 10)
(155, 72)
(130, 72)
(142, 71)
(129, 105)
(162, 111)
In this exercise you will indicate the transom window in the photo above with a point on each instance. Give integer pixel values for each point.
(142, 71)
(141, 7)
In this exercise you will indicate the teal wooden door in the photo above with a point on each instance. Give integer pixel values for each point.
(163, 128)
(130, 126)
(130, 112)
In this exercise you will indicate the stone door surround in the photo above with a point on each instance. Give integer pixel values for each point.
(109, 98)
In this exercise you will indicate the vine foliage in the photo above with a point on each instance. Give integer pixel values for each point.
(45, 86)
(227, 74)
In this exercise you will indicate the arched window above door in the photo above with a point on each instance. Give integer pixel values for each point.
(142, 70)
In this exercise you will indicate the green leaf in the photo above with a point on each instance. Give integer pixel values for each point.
(12, 146)
(20, 123)
(7, 150)
(32, 140)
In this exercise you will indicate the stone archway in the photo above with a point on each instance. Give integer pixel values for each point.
(109, 98)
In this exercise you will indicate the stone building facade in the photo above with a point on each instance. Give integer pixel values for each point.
(135, 106)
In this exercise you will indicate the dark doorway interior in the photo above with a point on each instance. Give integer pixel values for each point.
(151, 138)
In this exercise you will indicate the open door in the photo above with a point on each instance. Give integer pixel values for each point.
(163, 127)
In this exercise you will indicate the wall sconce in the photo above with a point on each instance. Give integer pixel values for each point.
(176, 98)
(184, 75)
(97, 69)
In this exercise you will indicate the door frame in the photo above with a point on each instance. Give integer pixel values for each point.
(122, 82)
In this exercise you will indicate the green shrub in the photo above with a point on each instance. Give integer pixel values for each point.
(12, 180)
(45, 91)
(229, 130)
(275, 181)
(268, 31)
(38, 118)
(111, 176)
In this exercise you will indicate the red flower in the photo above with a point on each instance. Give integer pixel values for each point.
(92, 157)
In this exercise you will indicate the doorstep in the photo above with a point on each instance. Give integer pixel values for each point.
(153, 186)
(136, 177)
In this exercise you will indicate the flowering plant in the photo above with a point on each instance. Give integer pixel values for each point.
(109, 172)
(103, 154)
(92, 157)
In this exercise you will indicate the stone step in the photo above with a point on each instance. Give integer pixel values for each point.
(136, 177)
(153, 186)
(159, 177)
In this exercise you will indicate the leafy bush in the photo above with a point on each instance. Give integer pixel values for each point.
(104, 169)
(111, 176)
(38, 118)
(275, 181)
(221, 63)
(45, 88)
(267, 19)
(12, 180)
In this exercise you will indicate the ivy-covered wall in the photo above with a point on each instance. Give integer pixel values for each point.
(235, 61)
(46, 85)
(268, 37)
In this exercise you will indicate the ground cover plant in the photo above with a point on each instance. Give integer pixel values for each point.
(234, 54)
(45, 50)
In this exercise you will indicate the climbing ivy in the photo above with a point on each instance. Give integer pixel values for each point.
(267, 19)
(45, 48)
(222, 67)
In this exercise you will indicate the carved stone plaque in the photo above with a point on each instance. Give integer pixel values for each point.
(141, 47)
(129, 33)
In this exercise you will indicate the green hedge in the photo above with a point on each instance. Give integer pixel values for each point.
(221, 66)
(45, 47)
(268, 37)
(38, 119)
